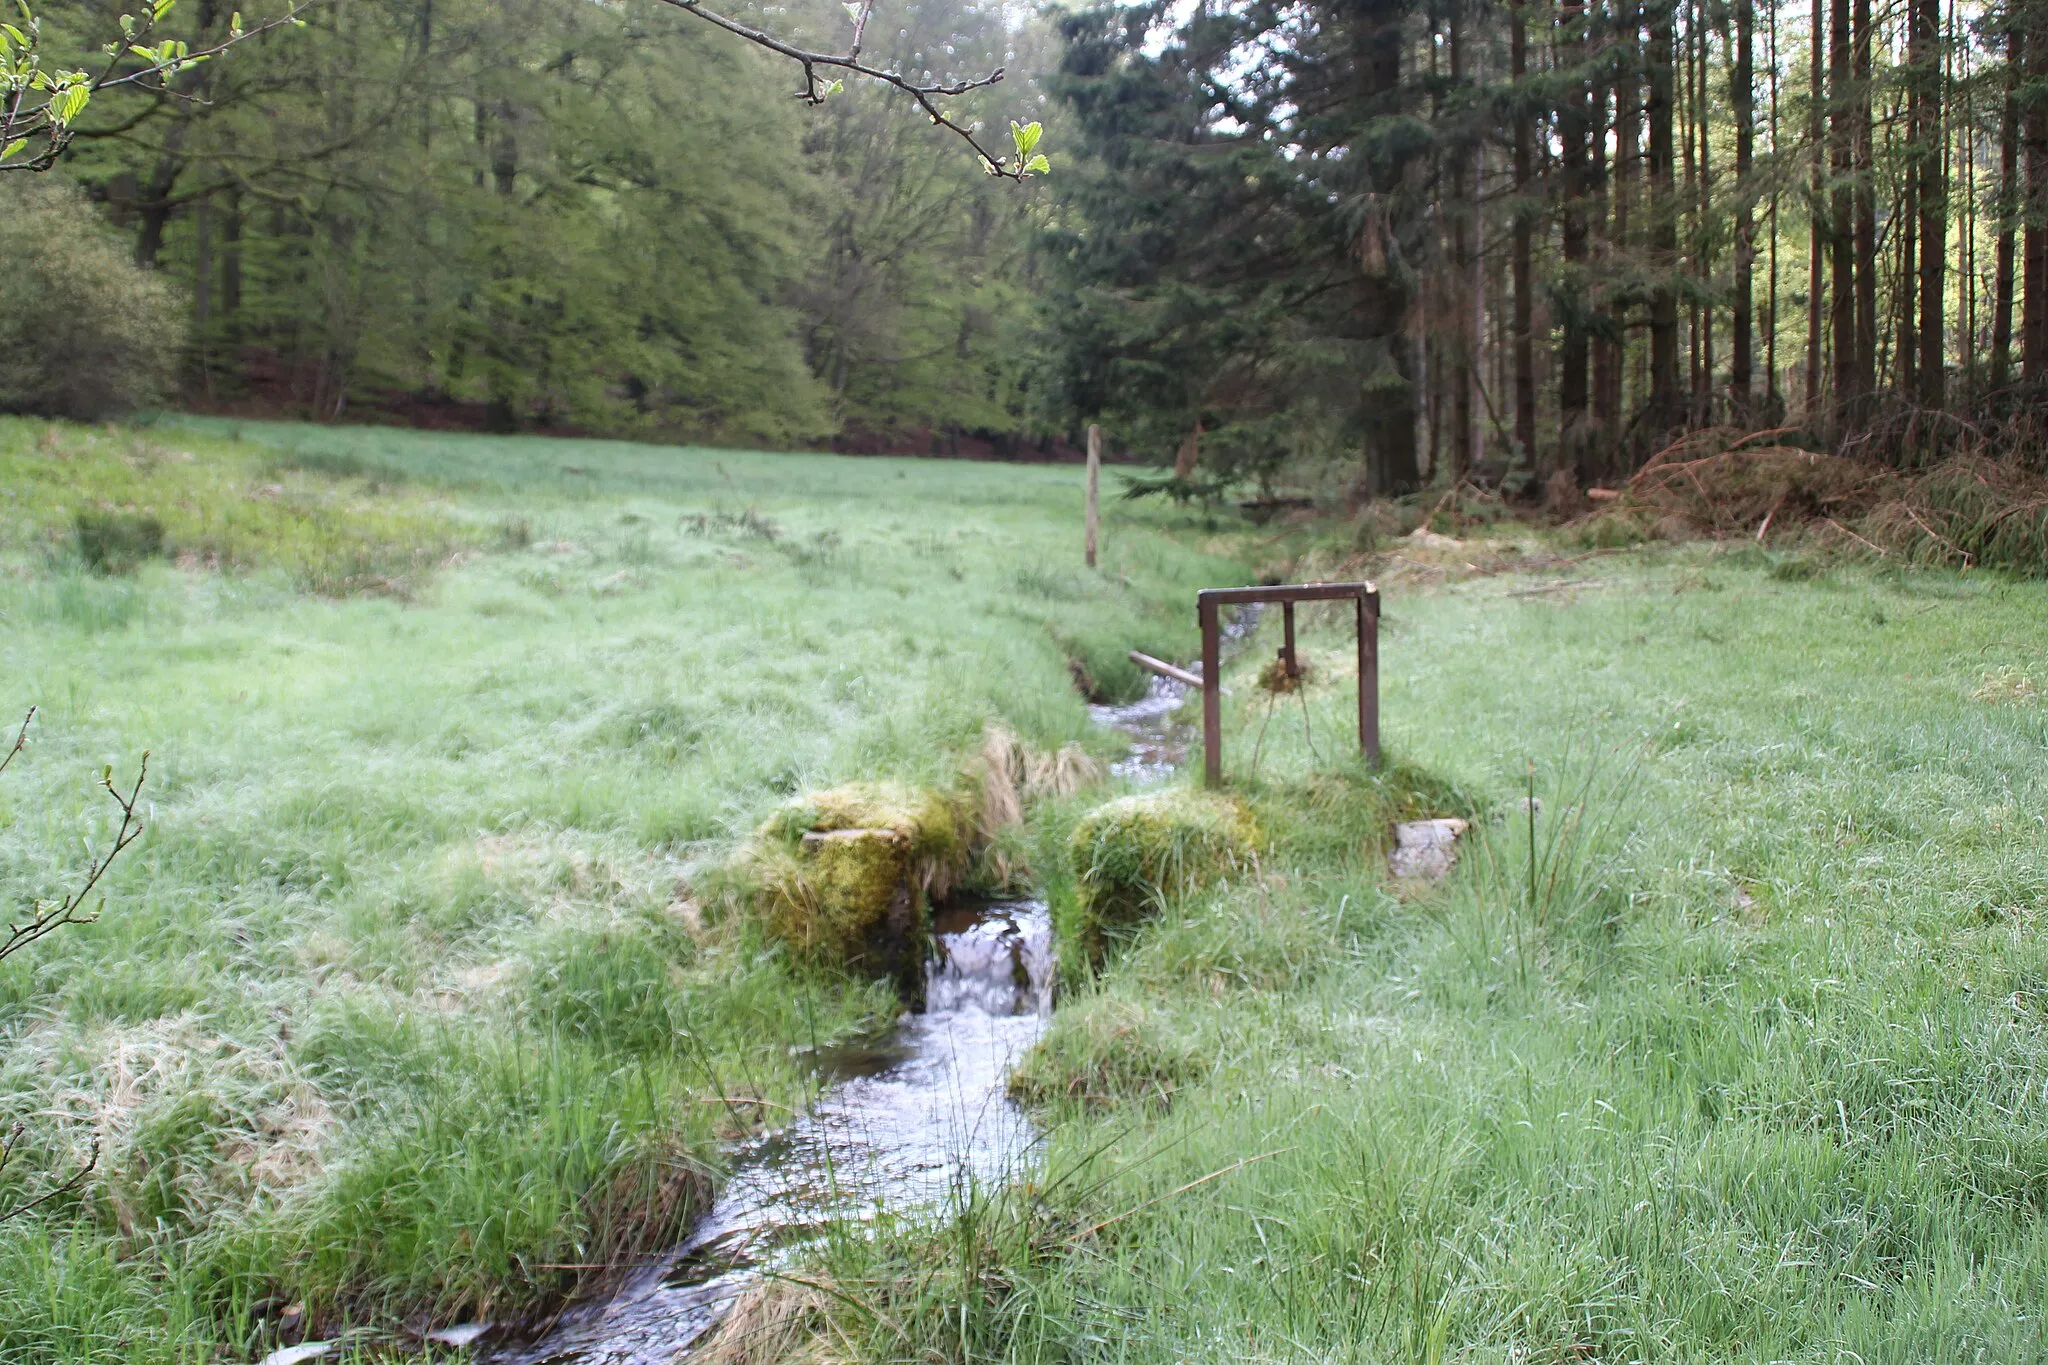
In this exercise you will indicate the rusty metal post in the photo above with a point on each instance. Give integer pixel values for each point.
(1369, 675)
(1212, 696)
(1287, 651)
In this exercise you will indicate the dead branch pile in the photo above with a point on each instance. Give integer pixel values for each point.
(1753, 490)
(1967, 511)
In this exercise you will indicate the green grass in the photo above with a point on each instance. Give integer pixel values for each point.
(404, 1001)
(1754, 1069)
(1736, 1054)
(110, 500)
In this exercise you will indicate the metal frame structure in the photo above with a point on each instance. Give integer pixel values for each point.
(1208, 606)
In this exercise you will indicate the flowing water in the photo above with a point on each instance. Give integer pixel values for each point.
(1160, 734)
(907, 1126)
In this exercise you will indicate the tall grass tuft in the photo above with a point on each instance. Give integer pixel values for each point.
(1548, 869)
(116, 542)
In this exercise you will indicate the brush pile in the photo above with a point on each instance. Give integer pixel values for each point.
(1967, 511)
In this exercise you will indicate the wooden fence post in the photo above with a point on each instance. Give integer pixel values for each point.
(1094, 477)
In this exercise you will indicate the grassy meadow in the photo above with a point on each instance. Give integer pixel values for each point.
(403, 1011)
(1736, 1050)
(1728, 1046)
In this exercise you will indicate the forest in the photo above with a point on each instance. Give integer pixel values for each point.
(1357, 247)
(565, 217)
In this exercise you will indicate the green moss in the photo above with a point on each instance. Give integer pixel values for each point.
(846, 875)
(1137, 851)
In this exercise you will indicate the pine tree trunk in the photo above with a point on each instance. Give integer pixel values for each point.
(1906, 211)
(1461, 374)
(2034, 241)
(1574, 116)
(1740, 361)
(1666, 406)
(1703, 242)
(1866, 210)
(1932, 189)
(1524, 303)
(1848, 386)
(1816, 277)
(2008, 209)
(1627, 151)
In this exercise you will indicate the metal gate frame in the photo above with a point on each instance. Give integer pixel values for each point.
(1208, 607)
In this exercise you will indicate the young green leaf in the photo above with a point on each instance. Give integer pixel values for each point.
(1025, 136)
(13, 147)
(1038, 165)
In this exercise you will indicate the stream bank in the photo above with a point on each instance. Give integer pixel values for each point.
(911, 1123)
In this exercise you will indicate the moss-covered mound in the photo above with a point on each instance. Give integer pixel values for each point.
(1105, 1050)
(1134, 853)
(846, 875)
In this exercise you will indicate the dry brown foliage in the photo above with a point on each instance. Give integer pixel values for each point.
(1013, 773)
(776, 1322)
(1968, 510)
(1750, 490)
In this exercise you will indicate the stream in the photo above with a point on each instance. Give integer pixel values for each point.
(907, 1125)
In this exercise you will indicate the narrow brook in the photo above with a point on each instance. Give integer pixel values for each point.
(1160, 734)
(905, 1126)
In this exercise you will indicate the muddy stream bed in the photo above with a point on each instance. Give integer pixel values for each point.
(903, 1126)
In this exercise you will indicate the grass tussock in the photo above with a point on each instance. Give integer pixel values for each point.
(1104, 1051)
(781, 1320)
(1132, 856)
(847, 875)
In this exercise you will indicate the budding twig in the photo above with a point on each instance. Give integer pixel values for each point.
(927, 95)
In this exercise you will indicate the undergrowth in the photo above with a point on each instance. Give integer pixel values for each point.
(112, 499)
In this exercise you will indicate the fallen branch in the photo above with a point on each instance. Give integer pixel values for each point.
(1853, 536)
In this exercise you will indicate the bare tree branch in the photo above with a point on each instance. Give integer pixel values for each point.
(48, 916)
(20, 743)
(64, 1186)
(927, 95)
